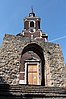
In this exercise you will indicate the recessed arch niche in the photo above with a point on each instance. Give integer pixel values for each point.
(36, 57)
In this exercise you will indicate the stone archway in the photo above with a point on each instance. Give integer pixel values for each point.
(37, 52)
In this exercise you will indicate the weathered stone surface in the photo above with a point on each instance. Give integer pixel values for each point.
(10, 55)
(31, 92)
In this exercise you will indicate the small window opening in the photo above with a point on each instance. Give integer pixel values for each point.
(31, 24)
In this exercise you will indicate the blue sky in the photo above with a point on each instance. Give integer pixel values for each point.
(51, 12)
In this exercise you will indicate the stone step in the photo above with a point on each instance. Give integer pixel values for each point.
(18, 90)
(32, 88)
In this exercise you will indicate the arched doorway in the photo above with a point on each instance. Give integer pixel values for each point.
(32, 66)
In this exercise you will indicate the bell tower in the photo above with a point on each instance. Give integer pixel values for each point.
(32, 27)
(32, 23)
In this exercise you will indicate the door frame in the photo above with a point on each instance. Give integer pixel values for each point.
(38, 63)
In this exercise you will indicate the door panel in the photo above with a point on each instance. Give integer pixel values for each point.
(35, 78)
(32, 74)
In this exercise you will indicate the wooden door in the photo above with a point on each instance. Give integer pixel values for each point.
(32, 74)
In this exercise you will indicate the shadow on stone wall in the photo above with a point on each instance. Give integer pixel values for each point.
(2, 81)
(6, 91)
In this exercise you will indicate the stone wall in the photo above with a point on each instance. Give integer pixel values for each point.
(10, 55)
(64, 75)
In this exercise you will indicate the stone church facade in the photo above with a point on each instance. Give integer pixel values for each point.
(29, 61)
